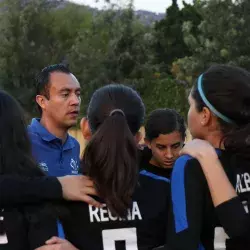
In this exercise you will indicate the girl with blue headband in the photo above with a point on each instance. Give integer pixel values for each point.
(202, 201)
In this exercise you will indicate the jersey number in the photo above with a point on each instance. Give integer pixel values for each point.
(123, 234)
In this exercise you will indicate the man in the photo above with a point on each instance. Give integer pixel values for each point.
(58, 99)
(165, 135)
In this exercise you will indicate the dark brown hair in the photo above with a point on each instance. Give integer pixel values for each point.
(228, 89)
(164, 121)
(110, 157)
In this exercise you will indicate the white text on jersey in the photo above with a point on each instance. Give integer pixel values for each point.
(243, 183)
(103, 214)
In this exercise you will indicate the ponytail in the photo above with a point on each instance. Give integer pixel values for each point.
(237, 141)
(110, 159)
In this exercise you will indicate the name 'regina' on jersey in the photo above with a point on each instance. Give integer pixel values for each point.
(104, 215)
(144, 227)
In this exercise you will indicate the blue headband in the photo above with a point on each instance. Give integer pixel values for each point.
(209, 105)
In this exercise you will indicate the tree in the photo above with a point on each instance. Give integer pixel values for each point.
(33, 35)
(223, 37)
(21, 34)
(170, 44)
(100, 47)
(165, 92)
(114, 49)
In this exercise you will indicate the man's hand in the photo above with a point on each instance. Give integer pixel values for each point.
(56, 243)
(78, 188)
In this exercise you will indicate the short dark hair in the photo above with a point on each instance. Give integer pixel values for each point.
(227, 88)
(115, 114)
(164, 121)
(43, 79)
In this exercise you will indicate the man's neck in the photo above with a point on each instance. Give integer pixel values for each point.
(54, 130)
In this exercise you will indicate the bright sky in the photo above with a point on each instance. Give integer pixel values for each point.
(158, 6)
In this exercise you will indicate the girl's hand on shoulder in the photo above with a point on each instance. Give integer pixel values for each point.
(199, 149)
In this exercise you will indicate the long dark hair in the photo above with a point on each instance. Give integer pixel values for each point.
(15, 148)
(228, 89)
(164, 121)
(115, 115)
(16, 156)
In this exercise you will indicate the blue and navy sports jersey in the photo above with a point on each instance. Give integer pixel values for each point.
(27, 227)
(193, 219)
(144, 228)
(26, 220)
(145, 156)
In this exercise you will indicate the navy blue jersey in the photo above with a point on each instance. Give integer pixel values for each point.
(25, 222)
(144, 228)
(145, 156)
(193, 219)
(26, 227)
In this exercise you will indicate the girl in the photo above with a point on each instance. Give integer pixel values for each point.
(219, 113)
(135, 205)
(165, 133)
(22, 183)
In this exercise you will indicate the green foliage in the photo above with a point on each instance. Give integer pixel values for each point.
(29, 41)
(114, 49)
(223, 37)
(103, 47)
(170, 44)
(165, 92)
(19, 47)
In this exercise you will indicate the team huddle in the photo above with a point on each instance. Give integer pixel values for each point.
(119, 194)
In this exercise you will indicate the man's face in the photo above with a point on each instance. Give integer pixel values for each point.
(63, 105)
(165, 149)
